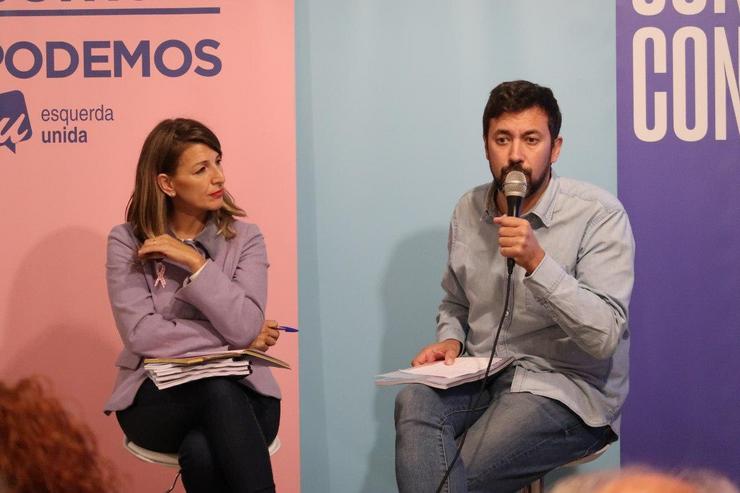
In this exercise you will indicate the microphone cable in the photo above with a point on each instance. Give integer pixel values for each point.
(484, 383)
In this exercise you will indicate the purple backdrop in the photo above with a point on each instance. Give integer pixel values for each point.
(684, 203)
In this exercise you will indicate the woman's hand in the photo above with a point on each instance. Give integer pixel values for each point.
(267, 337)
(173, 249)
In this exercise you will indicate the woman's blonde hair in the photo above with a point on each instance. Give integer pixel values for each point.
(149, 208)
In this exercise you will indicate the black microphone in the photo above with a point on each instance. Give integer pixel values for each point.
(515, 188)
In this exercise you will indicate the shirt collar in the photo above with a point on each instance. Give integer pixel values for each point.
(207, 240)
(543, 209)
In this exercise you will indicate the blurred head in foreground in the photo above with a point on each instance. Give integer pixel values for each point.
(644, 480)
(43, 449)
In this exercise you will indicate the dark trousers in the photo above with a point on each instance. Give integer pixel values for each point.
(219, 428)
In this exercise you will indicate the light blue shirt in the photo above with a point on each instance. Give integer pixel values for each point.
(569, 333)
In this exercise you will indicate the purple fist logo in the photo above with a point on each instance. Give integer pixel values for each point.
(15, 125)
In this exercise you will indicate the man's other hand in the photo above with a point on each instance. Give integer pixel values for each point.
(446, 350)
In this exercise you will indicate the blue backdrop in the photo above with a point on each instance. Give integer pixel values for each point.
(390, 98)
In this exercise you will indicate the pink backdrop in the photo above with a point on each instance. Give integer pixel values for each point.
(60, 199)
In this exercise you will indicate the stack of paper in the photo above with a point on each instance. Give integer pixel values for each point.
(165, 375)
(442, 376)
(257, 358)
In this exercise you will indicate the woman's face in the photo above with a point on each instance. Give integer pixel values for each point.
(197, 186)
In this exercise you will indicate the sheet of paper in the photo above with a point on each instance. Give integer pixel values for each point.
(462, 366)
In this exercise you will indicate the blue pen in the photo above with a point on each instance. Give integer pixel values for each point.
(285, 328)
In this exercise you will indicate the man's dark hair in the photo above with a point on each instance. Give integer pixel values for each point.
(520, 95)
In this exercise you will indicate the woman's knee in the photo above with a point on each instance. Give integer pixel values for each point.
(195, 452)
(199, 470)
(219, 389)
(216, 387)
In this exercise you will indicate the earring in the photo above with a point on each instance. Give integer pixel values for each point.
(171, 194)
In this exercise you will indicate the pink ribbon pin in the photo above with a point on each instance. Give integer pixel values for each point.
(160, 275)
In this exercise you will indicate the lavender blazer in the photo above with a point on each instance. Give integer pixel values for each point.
(222, 308)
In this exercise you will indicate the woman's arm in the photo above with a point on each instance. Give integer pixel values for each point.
(143, 330)
(234, 305)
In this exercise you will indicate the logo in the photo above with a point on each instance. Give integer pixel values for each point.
(15, 125)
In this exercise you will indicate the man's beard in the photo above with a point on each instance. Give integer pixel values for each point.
(532, 185)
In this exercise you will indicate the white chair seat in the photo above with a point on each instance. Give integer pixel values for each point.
(170, 460)
(588, 458)
(538, 486)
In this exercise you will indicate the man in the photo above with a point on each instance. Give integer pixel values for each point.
(562, 397)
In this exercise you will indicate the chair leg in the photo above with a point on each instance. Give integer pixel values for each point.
(174, 483)
(537, 486)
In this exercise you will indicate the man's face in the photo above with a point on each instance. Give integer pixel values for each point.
(521, 141)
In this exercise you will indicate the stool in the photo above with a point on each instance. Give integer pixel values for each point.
(538, 486)
(170, 460)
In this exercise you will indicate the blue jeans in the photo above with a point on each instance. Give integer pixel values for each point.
(515, 437)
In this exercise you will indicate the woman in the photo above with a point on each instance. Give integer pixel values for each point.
(184, 276)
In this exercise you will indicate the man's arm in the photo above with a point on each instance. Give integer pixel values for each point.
(451, 318)
(591, 306)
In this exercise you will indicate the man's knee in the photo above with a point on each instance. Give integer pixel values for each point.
(411, 399)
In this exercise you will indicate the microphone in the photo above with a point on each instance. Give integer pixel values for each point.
(515, 188)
